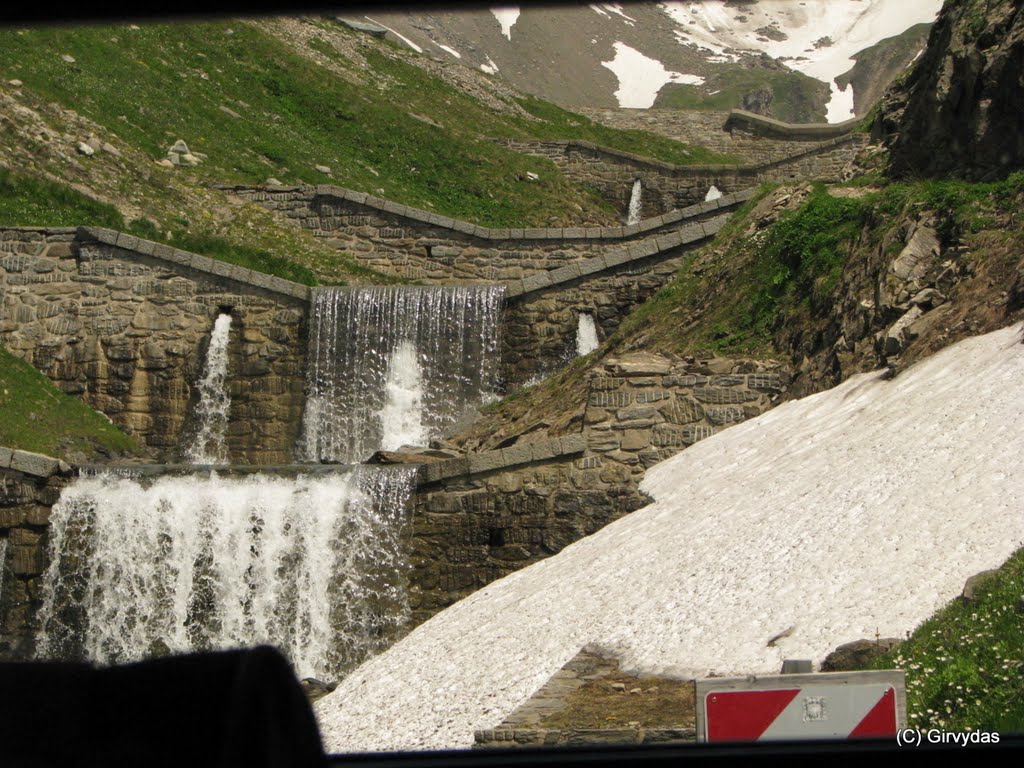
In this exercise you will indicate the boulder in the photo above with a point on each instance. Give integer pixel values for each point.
(858, 655)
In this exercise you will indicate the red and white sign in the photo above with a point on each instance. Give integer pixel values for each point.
(799, 707)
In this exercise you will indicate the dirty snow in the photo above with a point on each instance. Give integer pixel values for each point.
(403, 38)
(640, 78)
(854, 512)
(490, 67)
(507, 17)
(851, 25)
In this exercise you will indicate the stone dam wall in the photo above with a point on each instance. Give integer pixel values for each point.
(30, 485)
(123, 324)
(667, 186)
(476, 518)
(750, 138)
(419, 245)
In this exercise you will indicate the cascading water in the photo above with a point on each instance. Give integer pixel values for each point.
(401, 418)
(3, 567)
(359, 337)
(713, 193)
(209, 446)
(635, 203)
(586, 334)
(313, 565)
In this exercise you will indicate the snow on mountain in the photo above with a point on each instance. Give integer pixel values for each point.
(568, 54)
(640, 78)
(852, 513)
(506, 17)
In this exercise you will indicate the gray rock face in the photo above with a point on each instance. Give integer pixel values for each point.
(857, 655)
(961, 111)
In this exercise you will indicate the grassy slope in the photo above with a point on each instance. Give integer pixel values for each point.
(796, 98)
(965, 664)
(39, 417)
(159, 83)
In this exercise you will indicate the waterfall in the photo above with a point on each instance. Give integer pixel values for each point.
(586, 334)
(208, 446)
(3, 567)
(713, 193)
(635, 203)
(401, 418)
(355, 333)
(313, 565)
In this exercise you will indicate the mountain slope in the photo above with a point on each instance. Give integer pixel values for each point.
(773, 56)
(750, 534)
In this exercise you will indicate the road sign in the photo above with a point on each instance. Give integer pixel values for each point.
(832, 705)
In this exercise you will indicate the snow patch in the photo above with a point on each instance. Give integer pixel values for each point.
(850, 26)
(403, 38)
(640, 78)
(605, 8)
(507, 16)
(445, 48)
(854, 511)
(840, 106)
(490, 67)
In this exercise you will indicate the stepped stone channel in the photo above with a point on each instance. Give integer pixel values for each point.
(243, 375)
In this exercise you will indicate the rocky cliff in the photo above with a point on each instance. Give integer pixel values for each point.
(960, 112)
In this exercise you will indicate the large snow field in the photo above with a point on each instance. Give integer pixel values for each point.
(854, 512)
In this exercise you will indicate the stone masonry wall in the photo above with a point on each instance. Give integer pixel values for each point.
(419, 245)
(751, 138)
(643, 408)
(542, 314)
(667, 186)
(30, 485)
(124, 324)
(470, 529)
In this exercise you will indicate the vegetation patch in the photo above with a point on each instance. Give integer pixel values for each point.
(791, 96)
(965, 665)
(620, 700)
(39, 417)
(26, 201)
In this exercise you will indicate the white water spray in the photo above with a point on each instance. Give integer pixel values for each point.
(635, 204)
(3, 567)
(209, 446)
(586, 334)
(401, 418)
(354, 333)
(713, 193)
(313, 565)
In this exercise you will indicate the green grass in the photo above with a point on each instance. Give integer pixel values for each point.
(965, 665)
(38, 417)
(163, 82)
(796, 98)
(226, 250)
(28, 201)
(31, 202)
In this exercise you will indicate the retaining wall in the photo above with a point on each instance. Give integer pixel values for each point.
(667, 186)
(124, 324)
(30, 484)
(418, 245)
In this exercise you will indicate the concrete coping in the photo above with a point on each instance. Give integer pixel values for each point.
(635, 252)
(29, 463)
(768, 125)
(622, 232)
(471, 464)
(501, 458)
(825, 142)
(195, 261)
